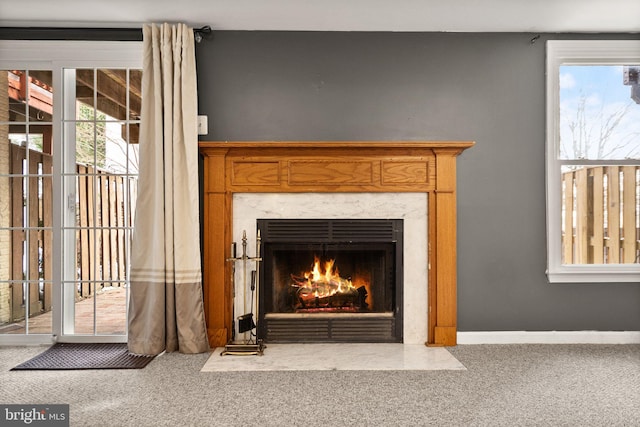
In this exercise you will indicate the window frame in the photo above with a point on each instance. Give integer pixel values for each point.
(56, 56)
(577, 52)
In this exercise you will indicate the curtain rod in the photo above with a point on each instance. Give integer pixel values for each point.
(79, 33)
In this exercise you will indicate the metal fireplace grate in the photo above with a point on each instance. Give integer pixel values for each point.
(331, 330)
(321, 231)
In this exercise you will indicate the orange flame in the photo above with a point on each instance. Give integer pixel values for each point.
(326, 281)
(323, 281)
(322, 275)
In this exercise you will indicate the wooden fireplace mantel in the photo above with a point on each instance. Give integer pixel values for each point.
(331, 167)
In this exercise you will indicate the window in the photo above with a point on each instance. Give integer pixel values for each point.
(69, 128)
(593, 161)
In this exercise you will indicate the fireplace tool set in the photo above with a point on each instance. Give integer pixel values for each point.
(246, 323)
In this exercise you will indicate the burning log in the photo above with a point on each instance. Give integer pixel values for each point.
(362, 297)
(325, 289)
(337, 293)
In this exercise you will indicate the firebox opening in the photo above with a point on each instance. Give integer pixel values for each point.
(331, 280)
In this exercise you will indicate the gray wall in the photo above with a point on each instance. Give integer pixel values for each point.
(489, 88)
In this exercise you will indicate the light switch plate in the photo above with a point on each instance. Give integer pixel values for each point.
(203, 125)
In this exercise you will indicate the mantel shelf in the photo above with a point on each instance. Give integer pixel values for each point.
(262, 145)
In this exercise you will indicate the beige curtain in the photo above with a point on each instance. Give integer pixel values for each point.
(166, 310)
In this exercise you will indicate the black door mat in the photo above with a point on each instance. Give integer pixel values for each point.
(70, 356)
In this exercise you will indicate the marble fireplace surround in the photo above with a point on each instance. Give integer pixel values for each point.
(410, 207)
(413, 180)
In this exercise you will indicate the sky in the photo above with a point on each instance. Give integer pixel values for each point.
(597, 95)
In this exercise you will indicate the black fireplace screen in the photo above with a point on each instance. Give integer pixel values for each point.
(331, 272)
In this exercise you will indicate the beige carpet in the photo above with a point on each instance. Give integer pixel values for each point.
(502, 386)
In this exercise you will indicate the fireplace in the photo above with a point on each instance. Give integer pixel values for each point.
(331, 280)
(273, 170)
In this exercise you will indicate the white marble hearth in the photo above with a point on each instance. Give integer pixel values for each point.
(337, 357)
(411, 207)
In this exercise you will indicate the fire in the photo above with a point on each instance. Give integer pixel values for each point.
(323, 288)
(326, 277)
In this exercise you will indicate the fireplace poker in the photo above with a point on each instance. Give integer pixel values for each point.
(258, 259)
(233, 260)
(244, 271)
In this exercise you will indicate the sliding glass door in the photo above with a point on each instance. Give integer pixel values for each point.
(26, 204)
(68, 175)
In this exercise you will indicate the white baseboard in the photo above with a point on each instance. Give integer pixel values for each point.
(25, 340)
(549, 337)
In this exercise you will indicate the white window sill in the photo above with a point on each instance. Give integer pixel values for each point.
(595, 274)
